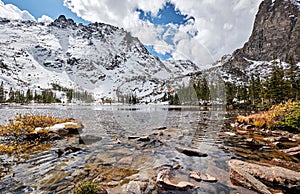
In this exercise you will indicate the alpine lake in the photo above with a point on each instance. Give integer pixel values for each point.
(124, 148)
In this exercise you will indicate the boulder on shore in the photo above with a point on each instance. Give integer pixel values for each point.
(259, 176)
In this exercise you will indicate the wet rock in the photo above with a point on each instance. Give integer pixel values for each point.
(133, 137)
(144, 139)
(160, 128)
(230, 133)
(246, 173)
(198, 176)
(270, 139)
(59, 152)
(241, 132)
(89, 139)
(294, 151)
(227, 134)
(71, 149)
(190, 152)
(66, 151)
(152, 144)
(163, 181)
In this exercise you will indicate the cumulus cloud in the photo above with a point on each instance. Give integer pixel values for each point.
(45, 19)
(12, 12)
(219, 26)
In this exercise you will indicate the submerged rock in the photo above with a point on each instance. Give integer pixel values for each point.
(89, 139)
(190, 152)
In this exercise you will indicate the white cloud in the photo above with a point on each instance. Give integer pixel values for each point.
(219, 27)
(45, 19)
(12, 12)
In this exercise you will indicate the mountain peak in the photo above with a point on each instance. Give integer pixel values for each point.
(63, 22)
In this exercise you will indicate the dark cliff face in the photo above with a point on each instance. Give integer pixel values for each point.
(276, 32)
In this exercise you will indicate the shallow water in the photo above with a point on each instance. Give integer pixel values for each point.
(193, 127)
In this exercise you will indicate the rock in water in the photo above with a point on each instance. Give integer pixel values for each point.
(89, 139)
(202, 176)
(294, 151)
(190, 152)
(163, 181)
(251, 175)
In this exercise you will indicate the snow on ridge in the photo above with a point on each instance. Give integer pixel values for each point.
(45, 19)
(10, 11)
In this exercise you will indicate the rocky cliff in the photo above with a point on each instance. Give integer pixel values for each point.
(275, 35)
(276, 32)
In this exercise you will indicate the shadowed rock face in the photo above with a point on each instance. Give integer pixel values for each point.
(276, 34)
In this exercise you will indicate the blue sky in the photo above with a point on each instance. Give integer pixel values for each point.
(168, 14)
(51, 8)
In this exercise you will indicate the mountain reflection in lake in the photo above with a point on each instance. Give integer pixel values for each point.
(118, 128)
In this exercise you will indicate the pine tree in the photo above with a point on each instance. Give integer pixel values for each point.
(29, 96)
(2, 93)
(242, 93)
(11, 96)
(292, 82)
(205, 90)
(277, 85)
(176, 100)
(230, 92)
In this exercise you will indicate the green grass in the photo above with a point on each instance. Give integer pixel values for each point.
(89, 188)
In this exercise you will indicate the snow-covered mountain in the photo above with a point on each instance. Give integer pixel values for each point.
(99, 58)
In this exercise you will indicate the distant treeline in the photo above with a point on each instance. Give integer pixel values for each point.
(43, 96)
(281, 85)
